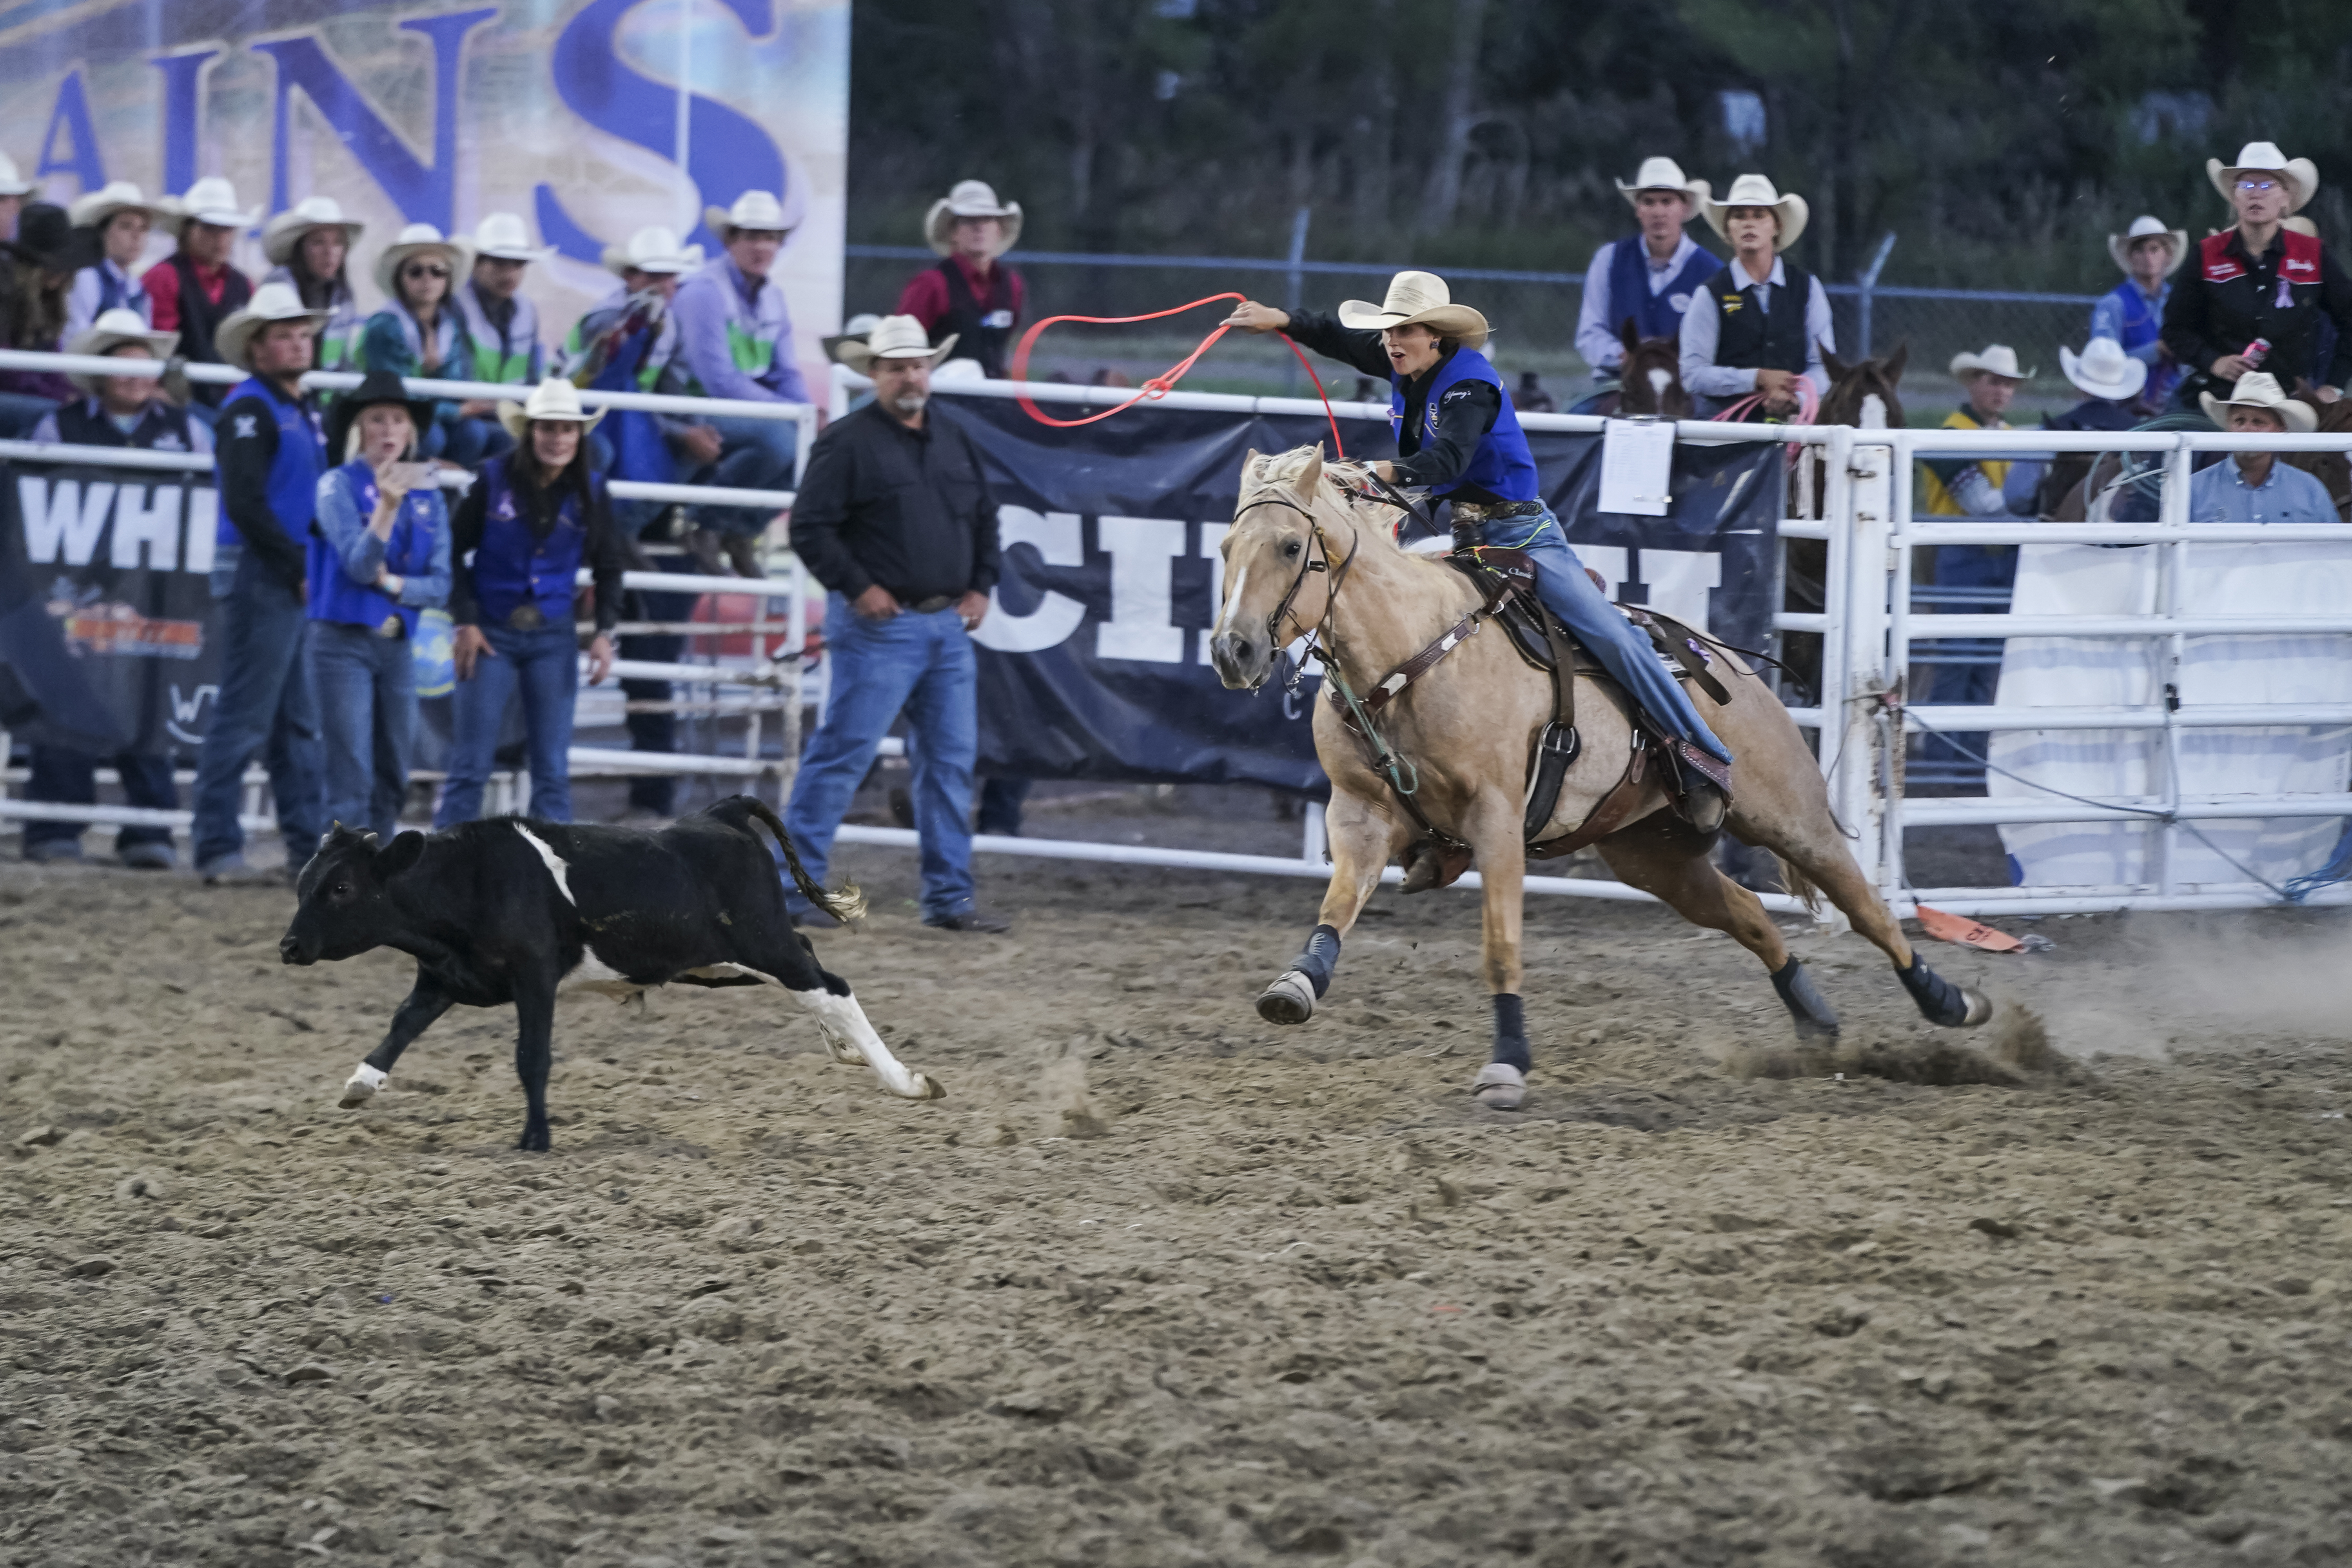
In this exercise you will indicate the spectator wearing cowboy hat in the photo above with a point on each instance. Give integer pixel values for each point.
(267, 468)
(536, 516)
(310, 246)
(970, 299)
(36, 268)
(501, 318)
(2131, 312)
(115, 411)
(2111, 382)
(379, 554)
(421, 333)
(1649, 278)
(121, 218)
(1759, 326)
(894, 518)
(2255, 486)
(14, 190)
(2260, 280)
(736, 335)
(195, 290)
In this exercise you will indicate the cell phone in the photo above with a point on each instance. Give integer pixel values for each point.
(413, 476)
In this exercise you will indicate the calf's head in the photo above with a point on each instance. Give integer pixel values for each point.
(344, 909)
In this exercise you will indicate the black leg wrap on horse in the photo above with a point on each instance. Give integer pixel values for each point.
(1940, 1000)
(1319, 958)
(1511, 1032)
(1816, 1019)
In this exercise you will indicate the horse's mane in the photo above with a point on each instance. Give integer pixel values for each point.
(1342, 485)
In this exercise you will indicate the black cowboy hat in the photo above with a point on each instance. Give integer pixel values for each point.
(47, 237)
(376, 386)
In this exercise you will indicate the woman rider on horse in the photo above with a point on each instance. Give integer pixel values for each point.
(1461, 441)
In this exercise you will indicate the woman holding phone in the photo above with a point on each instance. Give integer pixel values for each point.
(379, 554)
(531, 521)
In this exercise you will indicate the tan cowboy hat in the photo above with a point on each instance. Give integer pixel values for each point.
(758, 211)
(970, 198)
(112, 329)
(1997, 359)
(2300, 175)
(2103, 370)
(893, 337)
(1756, 191)
(502, 237)
(13, 183)
(2119, 245)
(282, 234)
(270, 302)
(654, 250)
(2260, 389)
(92, 209)
(1663, 174)
(416, 240)
(555, 400)
(1418, 297)
(210, 200)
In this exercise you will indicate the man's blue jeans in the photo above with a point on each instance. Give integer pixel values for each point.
(266, 704)
(544, 666)
(367, 716)
(922, 666)
(1623, 649)
(20, 411)
(64, 777)
(757, 455)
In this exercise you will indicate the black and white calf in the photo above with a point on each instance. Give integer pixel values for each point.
(512, 911)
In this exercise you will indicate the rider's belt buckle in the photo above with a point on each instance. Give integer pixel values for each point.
(526, 618)
(392, 626)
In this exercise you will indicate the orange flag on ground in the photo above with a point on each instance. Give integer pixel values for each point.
(1969, 932)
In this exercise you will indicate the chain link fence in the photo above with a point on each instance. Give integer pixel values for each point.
(1534, 315)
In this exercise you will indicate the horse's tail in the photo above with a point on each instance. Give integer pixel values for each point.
(845, 906)
(1798, 885)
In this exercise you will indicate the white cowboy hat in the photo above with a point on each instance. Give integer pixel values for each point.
(282, 234)
(857, 329)
(112, 329)
(758, 211)
(270, 302)
(415, 240)
(502, 237)
(2103, 370)
(1663, 174)
(2300, 175)
(892, 337)
(210, 200)
(653, 249)
(1422, 298)
(2119, 245)
(555, 400)
(970, 198)
(1997, 359)
(92, 209)
(13, 183)
(2260, 389)
(1756, 191)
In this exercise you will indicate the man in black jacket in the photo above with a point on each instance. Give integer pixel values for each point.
(894, 518)
(2259, 280)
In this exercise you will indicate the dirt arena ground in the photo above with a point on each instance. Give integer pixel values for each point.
(1158, 1284)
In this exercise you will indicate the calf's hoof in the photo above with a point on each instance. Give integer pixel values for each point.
(534, 1141)
(365, 1080)
(1500, 1087)
(1289, 1000)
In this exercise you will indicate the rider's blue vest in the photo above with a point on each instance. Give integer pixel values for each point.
(1658, 315)
(1501, 467)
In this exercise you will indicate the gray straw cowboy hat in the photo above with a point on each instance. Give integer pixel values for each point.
(2119, 245)
(970, 198)
(417, 239)
(1756, 191)
(92, 210)
(2301, 176)
(112, 329)
(502, 237)
(2103, 370)
(554, 400)
(2260, 389)
(1997, 359)
(270, 302)
(893, 337)
(210, 200)
(1663, 174)
(758, 212)
(1418, 299)
(654, 250)
(282, 234)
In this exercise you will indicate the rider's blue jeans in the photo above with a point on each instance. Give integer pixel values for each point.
(1623, 649)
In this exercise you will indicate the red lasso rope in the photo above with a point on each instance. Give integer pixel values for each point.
(1161, 385)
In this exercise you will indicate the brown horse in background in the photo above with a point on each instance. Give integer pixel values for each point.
(1649, 380)
(1861, 394)
(1310, 554)
(2333, 469)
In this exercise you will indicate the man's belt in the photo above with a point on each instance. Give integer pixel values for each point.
(932, 606)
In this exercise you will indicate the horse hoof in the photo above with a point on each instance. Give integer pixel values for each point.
(1979, 1008)
(1289, 1000)
(926, 1088)
(1499, 1087)
(365, 1081)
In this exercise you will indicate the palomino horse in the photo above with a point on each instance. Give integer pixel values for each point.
(1310, 554)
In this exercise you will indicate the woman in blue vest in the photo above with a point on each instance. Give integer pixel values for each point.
(1459, 437)
(1648, 278)
(534, 518)
(379, 554)
(2131, 312)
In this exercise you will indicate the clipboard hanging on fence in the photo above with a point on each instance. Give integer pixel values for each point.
(1637, 467)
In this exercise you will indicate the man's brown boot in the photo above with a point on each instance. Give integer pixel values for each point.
(743, 554)
(702, 544)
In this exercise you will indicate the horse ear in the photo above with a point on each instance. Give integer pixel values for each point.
(1628, 336)
(1310, 473)
(1894, 361)
(1837, 367)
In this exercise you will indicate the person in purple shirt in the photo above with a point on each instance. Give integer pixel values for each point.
(735, 337)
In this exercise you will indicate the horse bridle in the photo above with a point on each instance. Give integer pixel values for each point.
(1317, 558)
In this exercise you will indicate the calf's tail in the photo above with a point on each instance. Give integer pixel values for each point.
(847, 905)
